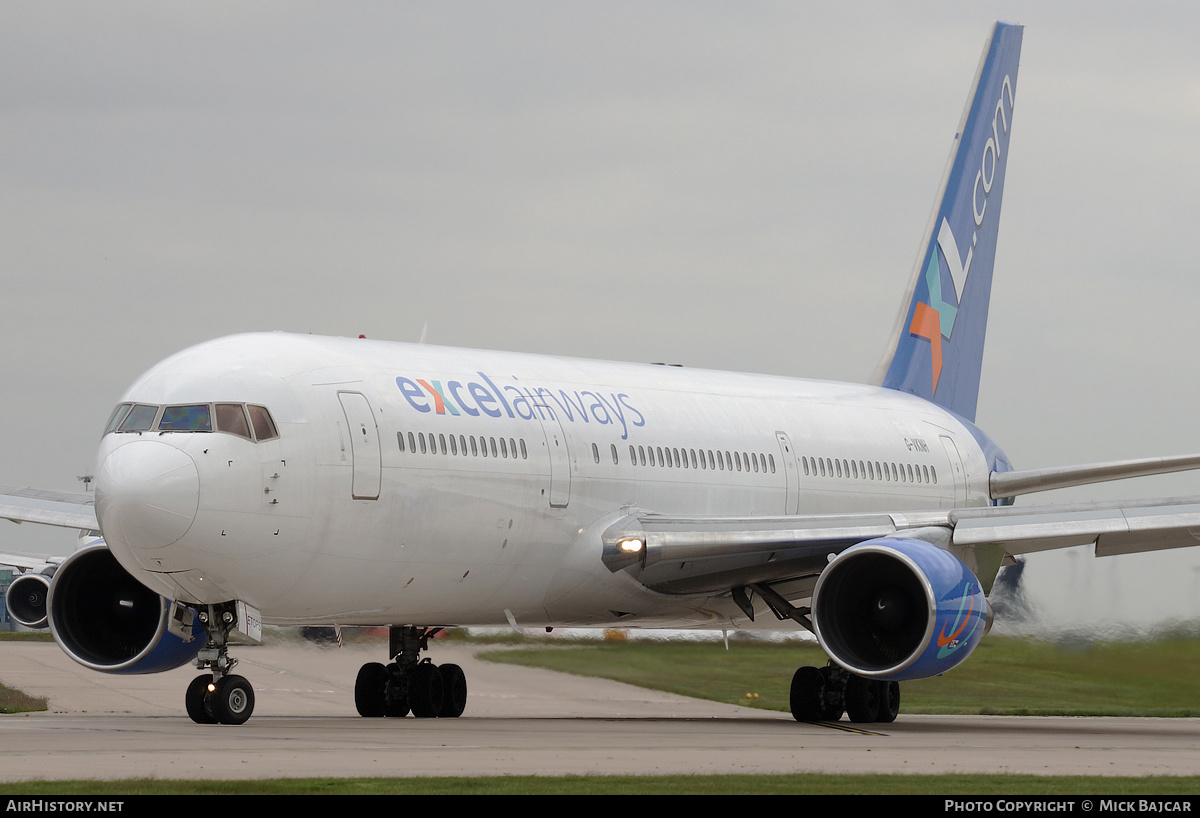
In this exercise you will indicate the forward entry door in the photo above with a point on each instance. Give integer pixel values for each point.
(364, 445)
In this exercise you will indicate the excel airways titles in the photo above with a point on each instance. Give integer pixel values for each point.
(483, 397)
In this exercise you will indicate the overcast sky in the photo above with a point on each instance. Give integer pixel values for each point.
(726, 185)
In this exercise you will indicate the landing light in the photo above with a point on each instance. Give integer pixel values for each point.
(630, 546)
(624, 549)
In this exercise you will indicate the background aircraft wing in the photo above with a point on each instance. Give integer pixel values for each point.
(30, 562)
(60, 508)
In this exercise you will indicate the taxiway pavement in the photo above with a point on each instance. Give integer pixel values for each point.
(519, 721)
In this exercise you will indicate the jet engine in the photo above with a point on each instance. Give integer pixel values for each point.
(896, 609)
(108, 621)
(26, 599)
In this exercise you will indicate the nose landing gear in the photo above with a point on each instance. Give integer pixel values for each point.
(410, 683)
(218, 697)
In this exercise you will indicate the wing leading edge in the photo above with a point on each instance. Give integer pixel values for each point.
(694, 555)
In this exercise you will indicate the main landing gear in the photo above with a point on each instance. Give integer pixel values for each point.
(409, 683)
(218, 697)
(823, 694)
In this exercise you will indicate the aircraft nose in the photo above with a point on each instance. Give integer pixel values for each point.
(147, 493)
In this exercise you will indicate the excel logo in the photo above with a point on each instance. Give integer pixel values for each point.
(935, 320)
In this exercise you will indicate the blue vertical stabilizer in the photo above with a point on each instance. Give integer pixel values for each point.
(937, 345)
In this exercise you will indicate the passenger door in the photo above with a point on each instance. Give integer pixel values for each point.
(364, 445)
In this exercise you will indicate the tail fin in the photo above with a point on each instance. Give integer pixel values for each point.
(937, 345)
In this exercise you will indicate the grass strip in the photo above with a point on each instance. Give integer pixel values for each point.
(1005, 675)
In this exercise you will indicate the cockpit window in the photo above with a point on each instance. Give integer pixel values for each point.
(118, 415)
(231, 417)
(193, 418)
(264, 427)
(249, 422)
(140, 418)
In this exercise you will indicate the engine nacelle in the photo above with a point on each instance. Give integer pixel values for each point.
(108, 621)
(895, 609)
(26, 599)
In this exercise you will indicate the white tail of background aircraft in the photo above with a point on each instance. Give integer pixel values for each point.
(300, 480)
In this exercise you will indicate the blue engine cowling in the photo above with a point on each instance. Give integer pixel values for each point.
(106, 620)
(896, 609)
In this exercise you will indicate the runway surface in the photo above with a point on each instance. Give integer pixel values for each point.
(518, 721)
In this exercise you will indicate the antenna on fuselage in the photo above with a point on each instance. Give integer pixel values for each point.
(424, 332)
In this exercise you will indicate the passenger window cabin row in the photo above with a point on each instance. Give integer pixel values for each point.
(683, 458)
(869, 470)
(463, 445)
(673, 457)
(659, 456)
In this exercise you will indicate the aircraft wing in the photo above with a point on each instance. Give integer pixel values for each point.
(29, 563)
(60, 508)
(687, 555)
(1113, 527)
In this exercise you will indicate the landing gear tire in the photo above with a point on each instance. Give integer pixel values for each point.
(864, 699)
(454, 691)
(410, 683)
(890, 702)
(194, 700)
(233, 700)
(370, 690)
(425, 691)
(807, 694)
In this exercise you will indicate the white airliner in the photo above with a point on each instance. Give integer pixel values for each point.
(292, 479)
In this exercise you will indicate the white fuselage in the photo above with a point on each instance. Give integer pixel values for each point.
(428, 485)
